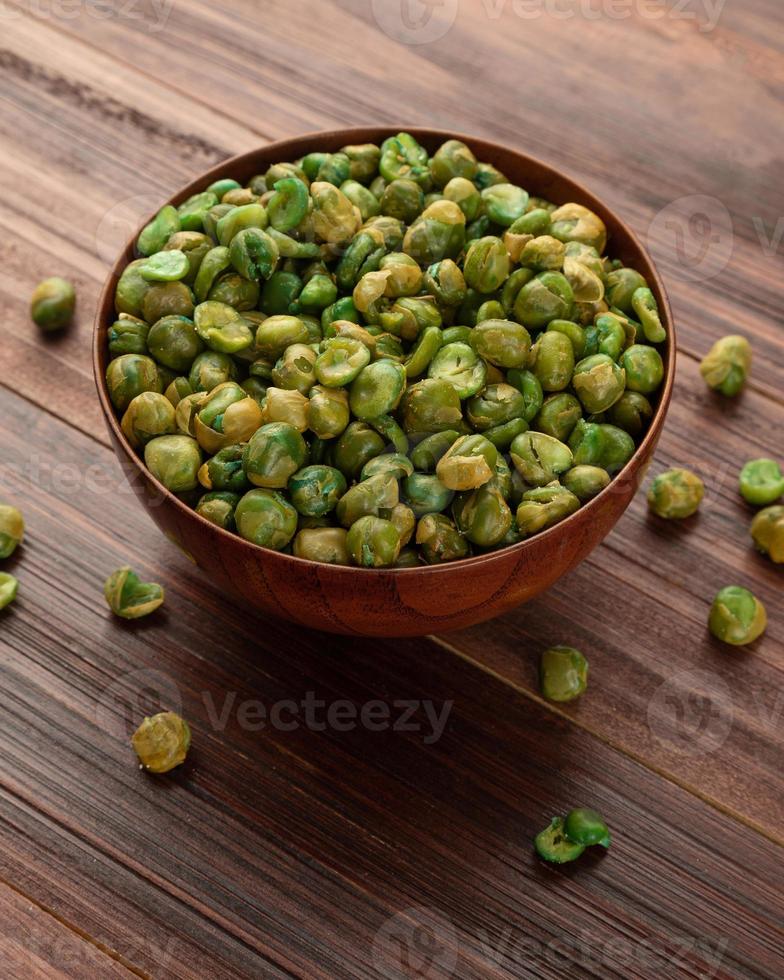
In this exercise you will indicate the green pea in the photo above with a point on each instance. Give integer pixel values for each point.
(295, 370)
(543, 507)
(427, 453)
(328, 411)
(575, 223)
(761, 482)
(504, 434)
(293, 248)
(254, 253)
(355, 447)
(502, 342)
(644, 368)
(622, 284)
(288, 205)
(543, 254)
(530, 388)
(216, 261)
(539, 458)
(341, 361)
(324, 544)
(545, 298)
(191, 212)
(599, 444)
(175, 461)
(218, 508)
(388, 427)
(395, 464)
(632, 413)
(452, 159)
(221, 327)
(586, 827)
(468, 464)
(11, 530)
(244, 218)
(128, 376)
(266, 518)
(727, 365)
(558, 416)
(737, 617)
(767, 532)
(403, 199)
(676, 494)
(224, 471)
(52, 304)
(461, 367)
(504, 203)
(645, 306)
(438, 233)
(316, 490)
(174, 342)
(317, 294)
(155, 235)
(234, 290)
(363, 159)
(273, 455)
(402, 156)
(553, 357)
(585, 482)
(9, 586)
(166, 266)
(495, 405)
(431, 405)
(553, 845)
(446, 283)
(372, 497)
(424, 493)
(486, 265)
(223, 186)
(149, 414)
(563, 674)
(465, 195)
(373, 542)
(377, 389)
(131, 289)
(362, 198)
(599, 382)
(277, 333)
(425, 348)
(128, 335)
(440, 540)
(167, 299)
(483, 516)
(210, 369)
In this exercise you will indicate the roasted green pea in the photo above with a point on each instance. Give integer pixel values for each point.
(166, 266)
(403, 199)
(288, 204)
(676, 494)
(377, 389)
(323, 544)
(161, 743)
(431, 405)
(167, 299)
(174, 460)
(761, 482)
(218, 508)
(274, 453)
(216, 261)
(468, 464)
(486, 264)
(372, 497)
(727, 366)
(553, 845)
(11, 530)
(424, 493)
(546, 297)
(440, 540)
(236, 291)
(586, 827)
(224, 471)
(317, 294)
(482, 516)
(254, 253)
(9, 587)
(446, 283)
(266, 518)
(402, 156)
(767, 531)
(405, 277)
(211, 369)
(155, 235)
(149, 414)
(316, 490)
(283, 405)
(558, 416)
(600, 444)
(128, 376)
(227, 415)
(355, 447)
(128, 335)
(335, 220)
(599, 382)
(530, 388)
(465, 195)
(539, 458)
(363, 160)
(174, 342)
(576, 223)
(543, 254)
(438, 233)
(52, 303)
(460, 366)
(341, 361)
(553, 361)
(504, 203)
(632, 413)
(737, 616)
(223, 186)
(494, 405)
(221, 327)
(543, 507)
(373, 542)
(328, 411)
(425, 348)
(644, 368)
(585, 482)
(563, 674)
(295, 370)
(645, 306)
(622, 284)
(428, 452)
(191, 212)
(394, 464)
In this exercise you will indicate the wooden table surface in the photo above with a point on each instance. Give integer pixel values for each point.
(313, 845)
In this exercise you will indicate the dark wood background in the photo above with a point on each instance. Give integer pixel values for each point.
(357, 854)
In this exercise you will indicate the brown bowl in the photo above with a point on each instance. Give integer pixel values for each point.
(409, 601)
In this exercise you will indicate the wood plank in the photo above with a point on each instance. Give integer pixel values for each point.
(301, 845)
(36, 946)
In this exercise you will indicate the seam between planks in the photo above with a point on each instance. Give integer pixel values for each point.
(75, 930)
(630, 754)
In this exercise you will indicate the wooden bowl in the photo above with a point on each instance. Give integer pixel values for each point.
(410, 601)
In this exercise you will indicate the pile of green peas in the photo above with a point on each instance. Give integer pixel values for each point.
(382, 358)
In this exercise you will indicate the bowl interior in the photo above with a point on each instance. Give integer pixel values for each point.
(537, 177)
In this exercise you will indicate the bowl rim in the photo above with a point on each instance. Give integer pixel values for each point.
(376, 133)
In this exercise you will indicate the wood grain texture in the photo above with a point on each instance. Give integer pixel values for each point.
(282, 853)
